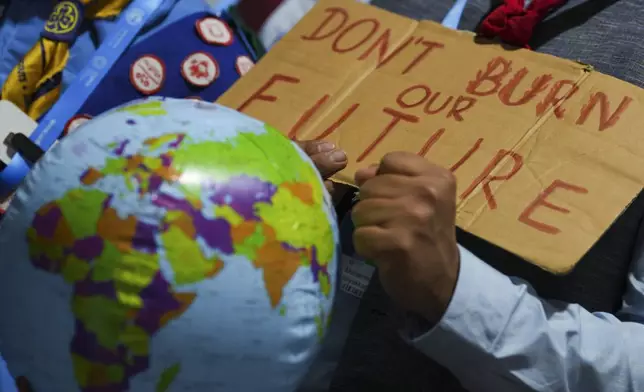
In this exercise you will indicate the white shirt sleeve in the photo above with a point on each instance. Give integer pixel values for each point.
(497, 335)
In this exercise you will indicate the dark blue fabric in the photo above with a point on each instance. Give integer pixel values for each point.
(117, 88)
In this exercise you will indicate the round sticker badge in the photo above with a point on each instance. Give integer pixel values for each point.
(147, 74)
(243, 65)
(75, 122)
(200, 69)
(214, 31)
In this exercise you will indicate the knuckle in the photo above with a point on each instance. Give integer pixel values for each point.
(438, 187)
(418, 210)
(427, 191)
(424, 213)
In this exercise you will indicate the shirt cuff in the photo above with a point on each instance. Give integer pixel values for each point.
(483, 301)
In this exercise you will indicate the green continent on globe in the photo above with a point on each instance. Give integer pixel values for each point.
(269, 210)
(144, 109)
(113, 267)
(295, 211)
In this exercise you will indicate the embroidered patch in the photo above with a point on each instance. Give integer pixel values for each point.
(64, 21)
(147, 74)
(75, 122)
(214, 31)
(200, 69)
(243, 64)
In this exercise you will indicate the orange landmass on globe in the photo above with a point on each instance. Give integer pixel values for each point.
(113, 228)
(302, 191)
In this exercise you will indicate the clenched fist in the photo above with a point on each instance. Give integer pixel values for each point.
(405, 223)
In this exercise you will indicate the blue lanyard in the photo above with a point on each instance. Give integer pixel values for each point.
(454, 15)
(130, 22)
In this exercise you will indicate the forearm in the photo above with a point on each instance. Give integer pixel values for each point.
(497, 336)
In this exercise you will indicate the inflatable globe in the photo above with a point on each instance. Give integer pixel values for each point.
(167, 245)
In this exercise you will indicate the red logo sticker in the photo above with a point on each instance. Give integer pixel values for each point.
(243, 64)
(214, 31)
(147, 74)
(75, 122)
(200, 69)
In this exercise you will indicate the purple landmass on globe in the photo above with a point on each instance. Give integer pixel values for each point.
(241, 193)
(215, 232)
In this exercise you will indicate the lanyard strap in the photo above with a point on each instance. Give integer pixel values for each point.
(130, 22)
(454, 15)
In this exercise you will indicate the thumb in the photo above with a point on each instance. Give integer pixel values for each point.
(328, 159)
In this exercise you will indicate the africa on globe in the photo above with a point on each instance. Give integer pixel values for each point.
(167, 245)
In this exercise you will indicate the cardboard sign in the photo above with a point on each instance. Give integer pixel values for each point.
(547, 152)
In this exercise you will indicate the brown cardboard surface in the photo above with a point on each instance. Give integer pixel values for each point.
(547, 152)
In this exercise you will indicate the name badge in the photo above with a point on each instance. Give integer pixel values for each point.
(356, 275)
(355, 272)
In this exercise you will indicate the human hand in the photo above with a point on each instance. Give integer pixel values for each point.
(405, 223)
(327, 158)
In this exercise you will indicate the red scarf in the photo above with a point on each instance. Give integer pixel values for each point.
(514, 23)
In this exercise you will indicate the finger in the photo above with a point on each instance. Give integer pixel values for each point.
(373, 242)
(387, 186)
(366, 173)
(406, 163)
(328, 159)
(374, 212)
(312, 147)
(330, 162)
